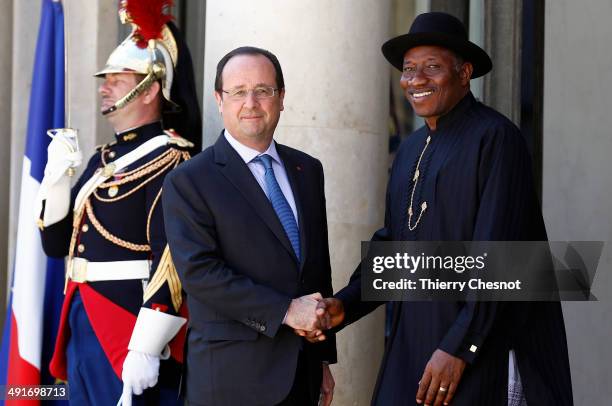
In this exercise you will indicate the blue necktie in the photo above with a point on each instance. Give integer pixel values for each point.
(280, 204)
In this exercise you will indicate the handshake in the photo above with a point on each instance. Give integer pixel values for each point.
(311, 315)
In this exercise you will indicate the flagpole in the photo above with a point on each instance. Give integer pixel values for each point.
(68, 133)
(66, 69)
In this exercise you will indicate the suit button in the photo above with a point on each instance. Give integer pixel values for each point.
(81, 248)
(85, 228)
(112, 154)
(262, 328)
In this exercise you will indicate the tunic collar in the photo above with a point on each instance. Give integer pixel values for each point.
(456, 112)
(139, 134)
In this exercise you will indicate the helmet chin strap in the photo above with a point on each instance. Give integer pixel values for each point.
(156, 72)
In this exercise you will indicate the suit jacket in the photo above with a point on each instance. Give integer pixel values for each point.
(240, 273)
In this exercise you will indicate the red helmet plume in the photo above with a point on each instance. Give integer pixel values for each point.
(149, 17)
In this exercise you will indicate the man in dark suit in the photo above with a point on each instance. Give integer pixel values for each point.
(464, 176)
(246, 223)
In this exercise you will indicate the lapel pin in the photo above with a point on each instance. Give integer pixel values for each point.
(298, 167)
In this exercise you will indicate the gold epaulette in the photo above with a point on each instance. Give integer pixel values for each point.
(176, 141)
(165, 274)
(104, 146)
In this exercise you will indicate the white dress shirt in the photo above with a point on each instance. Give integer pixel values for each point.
(248, 155)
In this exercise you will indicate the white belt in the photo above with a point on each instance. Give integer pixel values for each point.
(82, 270)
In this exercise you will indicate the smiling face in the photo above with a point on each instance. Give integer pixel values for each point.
(250, 120)
(434, 81)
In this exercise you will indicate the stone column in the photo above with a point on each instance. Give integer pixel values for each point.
(6, 56)
(577, 186)
(336, 109)
(91, 37)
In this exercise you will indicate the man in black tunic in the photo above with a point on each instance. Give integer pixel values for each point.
(465, 175)
(120, 327)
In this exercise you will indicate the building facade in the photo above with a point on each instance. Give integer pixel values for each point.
(342, 105)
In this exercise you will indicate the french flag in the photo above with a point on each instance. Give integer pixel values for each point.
(37, 284)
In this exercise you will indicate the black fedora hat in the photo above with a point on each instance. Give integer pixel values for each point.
(439, 29)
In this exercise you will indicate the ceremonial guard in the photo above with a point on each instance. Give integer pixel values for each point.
(123, 320)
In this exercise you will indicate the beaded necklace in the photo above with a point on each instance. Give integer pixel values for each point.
(415, 179)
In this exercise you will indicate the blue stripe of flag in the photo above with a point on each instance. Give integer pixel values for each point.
(46, 111)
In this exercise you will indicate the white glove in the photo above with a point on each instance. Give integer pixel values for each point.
(62, 155)
(126, 397)
(140, 372)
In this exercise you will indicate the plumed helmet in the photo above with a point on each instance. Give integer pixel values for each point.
(156, 49)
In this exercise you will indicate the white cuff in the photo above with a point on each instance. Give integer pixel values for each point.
(57, 201)
(153, 330)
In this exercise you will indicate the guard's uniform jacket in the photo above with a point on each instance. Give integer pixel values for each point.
(122, 220)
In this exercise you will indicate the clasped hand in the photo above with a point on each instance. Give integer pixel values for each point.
(311, 315)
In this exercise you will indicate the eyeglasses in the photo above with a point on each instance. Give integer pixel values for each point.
(259, 93)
